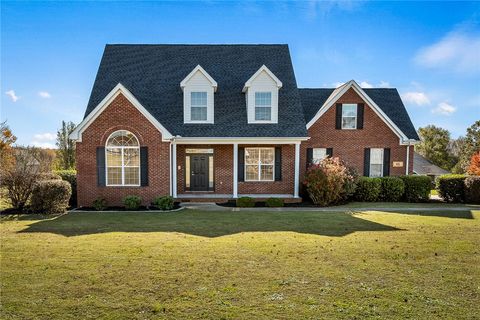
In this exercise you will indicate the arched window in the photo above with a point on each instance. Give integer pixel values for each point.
(122, 159)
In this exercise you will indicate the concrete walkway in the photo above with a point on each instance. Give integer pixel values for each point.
(211, 206)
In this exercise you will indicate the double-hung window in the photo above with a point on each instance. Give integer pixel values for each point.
(263, 106)
(349, 116)
(259, 164)
(376, 162)
(122, 159)
(198, 106)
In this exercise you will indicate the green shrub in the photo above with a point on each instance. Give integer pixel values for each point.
(132, 202)
(71, 177)
(417, 188)
(472, 189)
(392, 189)
(328, 182)
(451, 187)
(164, 203)
(368, 189)
(274, 202)
(245, 202)
(100, 204)
(48, 176)
(50, 196)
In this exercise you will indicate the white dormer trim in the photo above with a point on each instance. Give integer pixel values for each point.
(119, 89)
(263, 81)
(256, 74)
(340, 91)
(199, 68)
(198, 81)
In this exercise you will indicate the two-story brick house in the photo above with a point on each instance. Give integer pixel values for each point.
(223, 121)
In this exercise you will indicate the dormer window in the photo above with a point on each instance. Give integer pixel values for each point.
(198, 106)
(198, 96)
(263, 106)
(261, 94)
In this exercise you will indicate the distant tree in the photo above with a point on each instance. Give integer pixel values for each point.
(470, 146)
(66, 146)
(454, 149)
(6, 140)
(474, 168)
(434, 146)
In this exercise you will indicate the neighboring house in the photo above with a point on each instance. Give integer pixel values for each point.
(422, 166)
(224, 121)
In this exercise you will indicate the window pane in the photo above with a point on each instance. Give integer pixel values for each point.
(199, 99)
(114, 175)
(251, 172)
(114, 157)
(349, 110)
(262, 113)
(319, 154)
(187, 171)
(376, 156)
(199, 113)
(251, 155)
(210, 171)
(376, 170)
(263, 99)
(131, 157)
(266, 173)
(349, 123)
(266, 156)
(122, 138)
(132, 175)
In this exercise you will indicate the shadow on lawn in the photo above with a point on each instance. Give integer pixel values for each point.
(207, 224)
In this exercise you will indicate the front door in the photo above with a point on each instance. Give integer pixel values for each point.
(199, 172)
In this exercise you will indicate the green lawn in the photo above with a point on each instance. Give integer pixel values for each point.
(242, 265)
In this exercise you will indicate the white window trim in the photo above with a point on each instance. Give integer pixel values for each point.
(206, 106)
(123, 163)
(255, 107)
(356, 115)
(259, 165)
(370, 164)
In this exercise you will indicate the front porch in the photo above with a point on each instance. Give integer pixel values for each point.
(217, 170)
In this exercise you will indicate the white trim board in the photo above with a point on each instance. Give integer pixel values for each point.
(119, 89)
(256, 74)
(183, 84)
(340, 91)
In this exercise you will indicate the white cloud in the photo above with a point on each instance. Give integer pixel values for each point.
(458, 51)
(337, 84)
(444, 108)
(44, 94)
(365, 84)
(384, 84)
(12, 95)
(44, 140)
(418, 98)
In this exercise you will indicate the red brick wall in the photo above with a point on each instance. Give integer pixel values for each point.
(274, 187)
(349, 144)
(222, 166)
(121, 115)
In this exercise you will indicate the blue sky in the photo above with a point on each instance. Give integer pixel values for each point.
(430, 51)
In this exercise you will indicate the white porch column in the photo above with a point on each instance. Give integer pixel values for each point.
(297, 170)
(408, 160)
(174, 169)
(235, 170)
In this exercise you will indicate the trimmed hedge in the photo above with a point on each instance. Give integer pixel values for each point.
(393, 189)
(245, 202)
(417, 188)
(274, 202)
(472, 189)
(50, 196)
(71, 177)
(48, 176)
(100, 204)
(164, 203)
(451, 187)
(132, 202)
(368, 189)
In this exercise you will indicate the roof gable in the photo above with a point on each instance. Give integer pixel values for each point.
(263, 70)
(196, 72)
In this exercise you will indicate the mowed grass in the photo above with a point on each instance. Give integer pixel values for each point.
(242, 265)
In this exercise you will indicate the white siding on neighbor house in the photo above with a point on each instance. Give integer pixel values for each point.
(262, 83)
(198, 83)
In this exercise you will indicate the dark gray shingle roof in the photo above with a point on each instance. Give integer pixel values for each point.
(153, 74)
(387, 99)
(422, 166)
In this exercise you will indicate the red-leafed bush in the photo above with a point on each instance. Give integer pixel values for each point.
(329, 182)
(474, 168)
